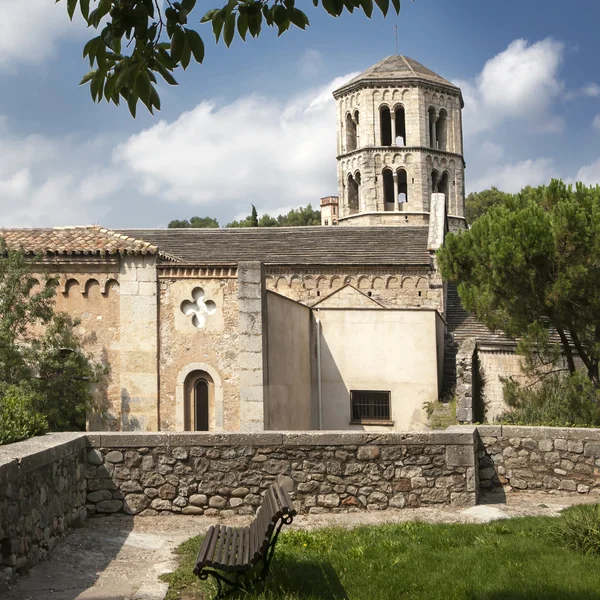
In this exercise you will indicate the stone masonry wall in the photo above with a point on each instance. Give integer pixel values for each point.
(539, 458)
(42, 494)
(225, 474)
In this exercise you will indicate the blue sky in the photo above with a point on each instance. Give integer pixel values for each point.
(256, 123)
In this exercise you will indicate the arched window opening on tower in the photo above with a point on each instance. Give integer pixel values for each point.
(400, 126)
(432, 128)
(402, 187)
(356, 124)
(442, 130)
(199, 390)
(385, 120)
(354, 193)
(435, 178)
(388, 190)
(444, 187)
(351, 137)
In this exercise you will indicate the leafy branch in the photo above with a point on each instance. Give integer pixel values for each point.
(139, 42)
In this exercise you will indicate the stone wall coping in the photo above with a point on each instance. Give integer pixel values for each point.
(42, 450)
(459, 436)
(552, 433)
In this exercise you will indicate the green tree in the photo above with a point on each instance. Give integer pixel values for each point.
(478, 203)
(139, 42)
(254, 217)
(532, 264)
(199, 222)
(297, 217)
(300, 217)
(42, 367)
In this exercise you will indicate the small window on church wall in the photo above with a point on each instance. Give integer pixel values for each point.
(386, 126)
(370, 406)
(326, 222)
(400, 133)
(199, 390)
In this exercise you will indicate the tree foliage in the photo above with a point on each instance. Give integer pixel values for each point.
(478, 203)
(140, 42)
(531, 265)
(199, 222)
(43, 371)
(557, 401)
(297, 217)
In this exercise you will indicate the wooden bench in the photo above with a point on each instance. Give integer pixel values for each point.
(237, 550)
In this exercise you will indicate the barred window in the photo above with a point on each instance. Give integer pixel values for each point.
(369, 406)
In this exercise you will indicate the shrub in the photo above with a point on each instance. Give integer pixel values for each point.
(579, 528)
(557, 401)
(18, 419)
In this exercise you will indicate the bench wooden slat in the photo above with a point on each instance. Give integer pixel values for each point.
(288, 500)
(219, 548)
(213, 542)
(203, 553)
(233, 558)
(226, 548)
(244, 555)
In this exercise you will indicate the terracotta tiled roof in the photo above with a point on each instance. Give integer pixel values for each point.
(294, 245)
(91, 240)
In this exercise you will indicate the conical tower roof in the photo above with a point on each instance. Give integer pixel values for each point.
(393, 69)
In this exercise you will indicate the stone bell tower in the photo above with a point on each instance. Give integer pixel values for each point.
(399, 141)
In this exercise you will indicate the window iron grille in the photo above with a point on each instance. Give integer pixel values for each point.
(370, 405)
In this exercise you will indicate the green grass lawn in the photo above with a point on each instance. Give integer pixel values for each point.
(517, 559)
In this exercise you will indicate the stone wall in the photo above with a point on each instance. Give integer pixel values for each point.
(42, 494)
(198, 331)
(465, 363)
(391, 287)
(225, 474)
(539, 458)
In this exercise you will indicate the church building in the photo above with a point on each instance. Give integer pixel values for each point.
(340, 326)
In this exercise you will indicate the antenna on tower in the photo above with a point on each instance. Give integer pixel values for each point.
(396, 36)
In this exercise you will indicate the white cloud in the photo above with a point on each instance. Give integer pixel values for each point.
(53, 181)
(310, 63)
(596, 122)
(590, 174)
(252, 150)
(520, 84)
(30, 29)
(591, 90)
(513, 177)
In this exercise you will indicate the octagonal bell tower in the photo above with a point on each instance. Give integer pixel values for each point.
(399, 141)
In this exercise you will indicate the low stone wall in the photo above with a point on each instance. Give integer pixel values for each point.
(42, 493)
(539, 458)
(212, 474)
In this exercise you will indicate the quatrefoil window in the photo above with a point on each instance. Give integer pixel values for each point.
(199, 308)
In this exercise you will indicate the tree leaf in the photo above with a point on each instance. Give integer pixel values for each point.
(229, 30)
(196, 44)
(84, 7)
(177, 44)
(383, 5)
(71, 6)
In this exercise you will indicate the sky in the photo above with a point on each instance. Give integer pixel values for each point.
(255, 124)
